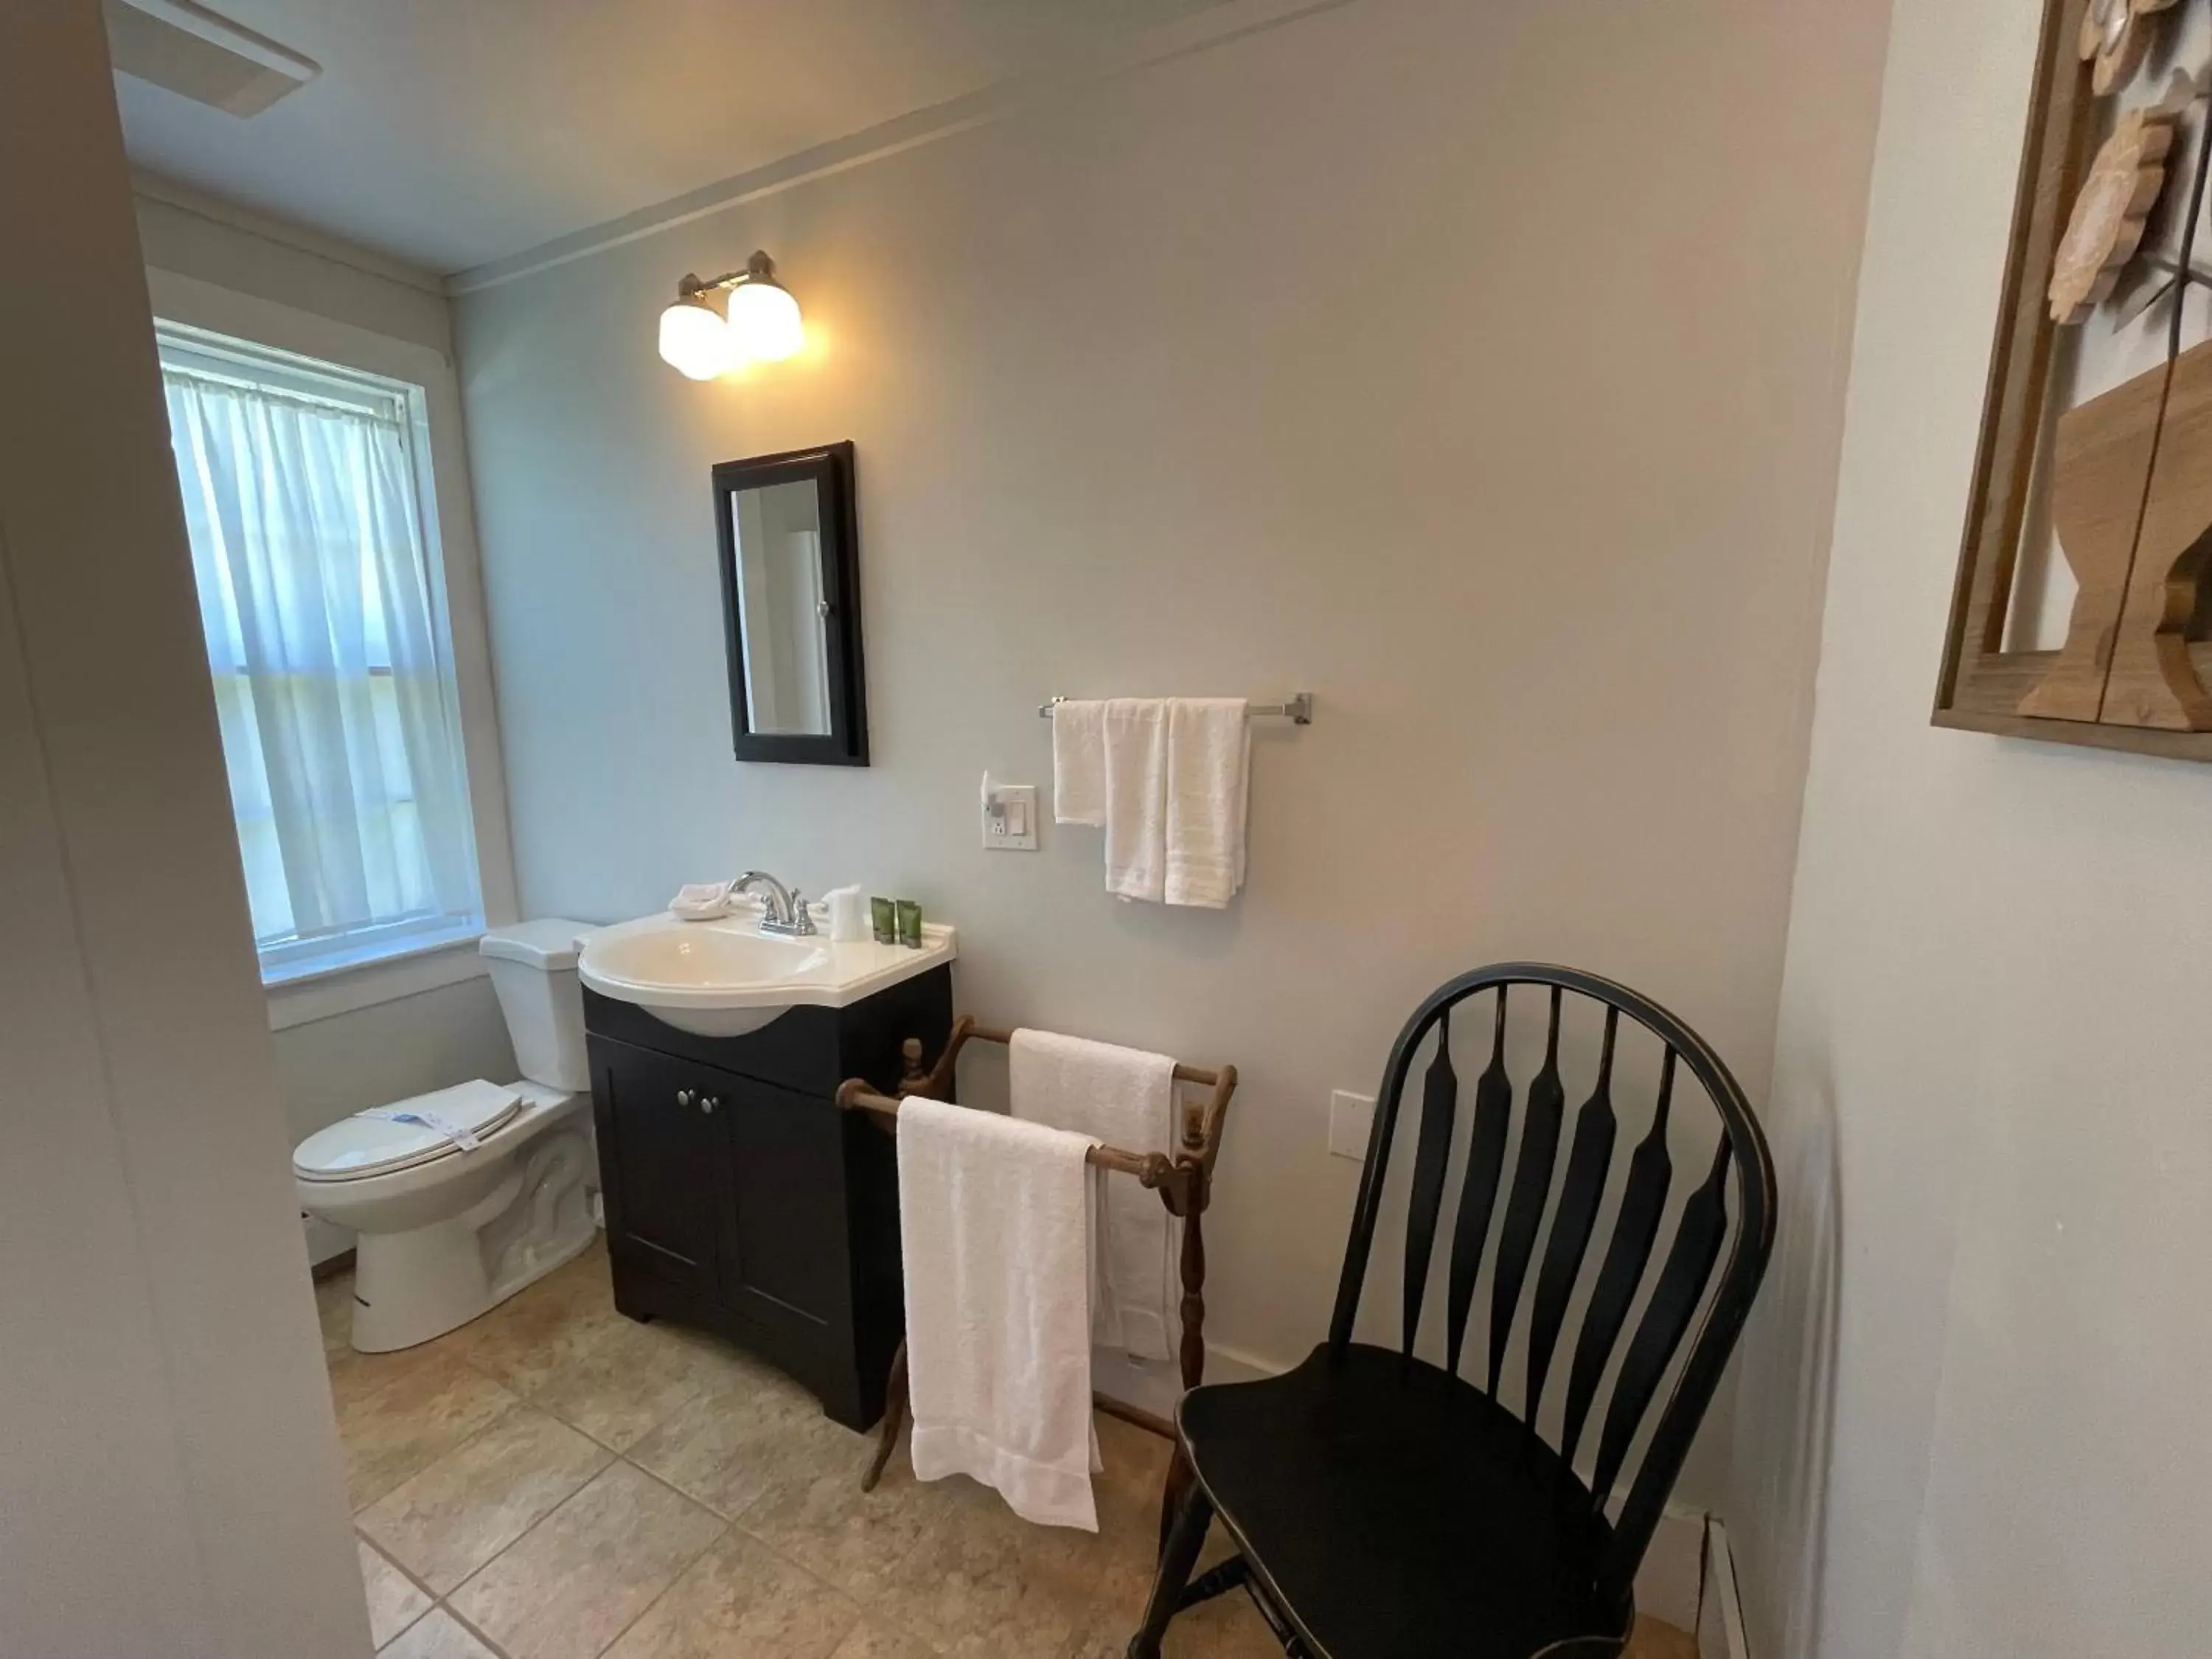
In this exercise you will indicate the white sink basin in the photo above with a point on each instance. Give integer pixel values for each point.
(725, 978)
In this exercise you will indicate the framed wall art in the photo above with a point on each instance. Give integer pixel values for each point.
(2082, 610)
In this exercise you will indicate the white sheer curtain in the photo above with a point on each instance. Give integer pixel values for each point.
(341, 735)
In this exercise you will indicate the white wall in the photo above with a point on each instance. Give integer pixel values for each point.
(194, 234)
(1476, 368)
(1972, 1423)
(168, 1460)
(335, 1064)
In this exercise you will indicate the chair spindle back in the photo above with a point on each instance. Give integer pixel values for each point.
(1738, 1187)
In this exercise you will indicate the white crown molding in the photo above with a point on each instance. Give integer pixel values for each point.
(216, 209)
(1215, 27)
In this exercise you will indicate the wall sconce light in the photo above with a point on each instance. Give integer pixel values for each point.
(763, 324)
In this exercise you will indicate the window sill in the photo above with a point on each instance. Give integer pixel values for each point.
(326, 992)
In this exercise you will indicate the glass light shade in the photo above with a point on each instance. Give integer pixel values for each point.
(764, 322)
(694, 341)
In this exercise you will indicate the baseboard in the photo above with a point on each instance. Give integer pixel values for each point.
(1673, 1569)
(1719, 1613)
(1156, 1385)
(331, 1265)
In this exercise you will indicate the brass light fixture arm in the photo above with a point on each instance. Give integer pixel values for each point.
(758, 268)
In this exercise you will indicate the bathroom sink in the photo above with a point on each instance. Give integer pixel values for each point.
(724, 978)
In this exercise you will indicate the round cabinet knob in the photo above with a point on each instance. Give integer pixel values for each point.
(708, 1102)
(683, 1097)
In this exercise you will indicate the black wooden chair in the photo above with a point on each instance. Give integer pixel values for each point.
(1386, 1508)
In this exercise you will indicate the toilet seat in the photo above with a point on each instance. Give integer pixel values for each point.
(372, 1143)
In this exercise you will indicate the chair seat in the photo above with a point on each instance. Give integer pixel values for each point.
(1395, 1512)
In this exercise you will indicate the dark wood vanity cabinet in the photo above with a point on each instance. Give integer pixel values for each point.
(740, 1198)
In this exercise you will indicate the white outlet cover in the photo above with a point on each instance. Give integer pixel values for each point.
(1350, 1118)
(1009, 816)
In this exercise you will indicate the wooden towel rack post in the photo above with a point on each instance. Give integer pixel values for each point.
(1183, 1181)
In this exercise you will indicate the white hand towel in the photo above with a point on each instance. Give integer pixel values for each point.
(1078, 761)
(1126, 1097)
(1136, 745)
(1208, 782)
(701, 901)
(995, 1223)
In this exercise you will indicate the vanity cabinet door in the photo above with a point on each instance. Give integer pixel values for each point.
(664, 1158)
(784, 1266)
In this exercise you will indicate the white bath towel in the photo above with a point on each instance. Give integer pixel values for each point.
(1136, 747)
(1208, 782)
(995, 1219)
(1078, 761)
(1125, 1097)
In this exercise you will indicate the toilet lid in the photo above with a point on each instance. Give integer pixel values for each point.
(406, 1133)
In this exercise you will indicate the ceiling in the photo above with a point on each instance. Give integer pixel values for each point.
(449, 133)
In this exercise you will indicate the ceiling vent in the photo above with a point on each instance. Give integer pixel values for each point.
(209, 59)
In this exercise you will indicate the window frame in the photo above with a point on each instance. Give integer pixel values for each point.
(417, 955)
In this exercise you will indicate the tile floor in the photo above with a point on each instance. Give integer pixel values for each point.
(555, 1481)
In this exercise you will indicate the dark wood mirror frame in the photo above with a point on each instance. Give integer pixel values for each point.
(830, 470)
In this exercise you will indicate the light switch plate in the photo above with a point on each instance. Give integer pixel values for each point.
(1350, 1118)
(1009, 817)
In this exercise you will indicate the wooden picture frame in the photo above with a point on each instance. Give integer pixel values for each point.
(1982, 683)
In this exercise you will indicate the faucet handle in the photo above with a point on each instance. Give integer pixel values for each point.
(802, 919)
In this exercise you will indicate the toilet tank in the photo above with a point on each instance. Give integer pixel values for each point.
(533, 970)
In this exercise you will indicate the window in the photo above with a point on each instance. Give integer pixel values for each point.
(314, 541)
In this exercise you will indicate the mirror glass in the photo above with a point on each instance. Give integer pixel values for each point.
(783, 615)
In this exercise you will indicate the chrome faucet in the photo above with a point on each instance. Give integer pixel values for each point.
(783, 909)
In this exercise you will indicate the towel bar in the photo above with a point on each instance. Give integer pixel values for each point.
(1184, 1183)
(1298, 708)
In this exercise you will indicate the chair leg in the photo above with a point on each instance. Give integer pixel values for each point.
(1172, 1490)
(1185, 1539)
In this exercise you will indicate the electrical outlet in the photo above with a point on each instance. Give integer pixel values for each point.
(1350, 1118)
(1009, 816)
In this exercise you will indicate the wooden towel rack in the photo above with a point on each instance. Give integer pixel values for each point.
(1184, 1182)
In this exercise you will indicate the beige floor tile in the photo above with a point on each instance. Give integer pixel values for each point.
(739, 1600)
(354, 1375)
(871, 1639)
(334, 1312)
(811, 1510)
(475, 1500)
(574, 1581)
(540, 1330)
(983, 1583)
(727, 1447)
(1136, 1459)
(438, 1636)
(1228, 1627)
(1654, 1638)
(395, 1420)
(1116, 1562)
(393, 1603)
(626, 1382)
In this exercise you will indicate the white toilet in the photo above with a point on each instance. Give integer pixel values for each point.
(447, 1228)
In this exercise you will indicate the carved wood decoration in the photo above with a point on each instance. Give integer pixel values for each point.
(2107, 225)
(2113, 37)
(2097, 456)
(2104, 458)
(2153, 680)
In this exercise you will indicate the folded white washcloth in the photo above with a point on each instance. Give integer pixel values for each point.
(1078, 761)
(995, 1226)
(1136, 745)
(1126, 1097)
(701, 901)
(1209, 786)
